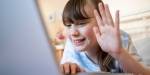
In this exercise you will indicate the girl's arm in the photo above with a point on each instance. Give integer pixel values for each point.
(107, 33)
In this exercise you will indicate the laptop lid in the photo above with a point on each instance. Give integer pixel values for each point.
(24, 46)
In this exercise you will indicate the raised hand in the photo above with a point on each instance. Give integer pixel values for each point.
(107, 32)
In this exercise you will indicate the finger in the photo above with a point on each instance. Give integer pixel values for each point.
(117, 20)
(97, 16)
(67, 68)
(79, 69)
(108, 15)
(73, 68)
(102, 12)
(82, 70)
(62, 68)
(99, 20)
(97, 34)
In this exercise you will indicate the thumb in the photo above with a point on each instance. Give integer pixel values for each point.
(97, 34)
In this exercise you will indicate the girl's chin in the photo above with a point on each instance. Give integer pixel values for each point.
(80, 49)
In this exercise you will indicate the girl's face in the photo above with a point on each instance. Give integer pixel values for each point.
(81, 32)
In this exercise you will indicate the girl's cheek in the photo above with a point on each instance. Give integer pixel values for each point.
(87, 31)
(67, 31)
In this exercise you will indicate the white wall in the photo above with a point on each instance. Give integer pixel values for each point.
(128, 7)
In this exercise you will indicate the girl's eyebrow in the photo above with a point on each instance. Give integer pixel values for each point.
(84, 20)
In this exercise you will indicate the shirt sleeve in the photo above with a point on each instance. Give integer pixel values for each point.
(128, 45)
(133, 51)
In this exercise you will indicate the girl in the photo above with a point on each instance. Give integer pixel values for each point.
(94, 42)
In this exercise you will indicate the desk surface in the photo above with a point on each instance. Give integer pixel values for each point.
(85, 73)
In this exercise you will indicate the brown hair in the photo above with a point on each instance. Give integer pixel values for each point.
(74, 10)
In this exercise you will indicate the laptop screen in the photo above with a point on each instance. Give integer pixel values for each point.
(24, 45)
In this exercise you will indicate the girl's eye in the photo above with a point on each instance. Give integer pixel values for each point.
(82, 23)
(68, 25)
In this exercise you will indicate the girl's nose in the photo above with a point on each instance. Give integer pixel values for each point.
(74, 32)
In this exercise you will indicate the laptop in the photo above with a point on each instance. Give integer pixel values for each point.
(24, 45)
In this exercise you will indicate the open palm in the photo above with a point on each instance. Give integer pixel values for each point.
(107, 32)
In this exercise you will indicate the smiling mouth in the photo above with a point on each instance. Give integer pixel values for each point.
(78, 42)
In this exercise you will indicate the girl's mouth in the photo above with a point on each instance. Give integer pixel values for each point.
(78, 42)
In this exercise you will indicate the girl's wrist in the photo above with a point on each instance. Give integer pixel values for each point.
(117, 54)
